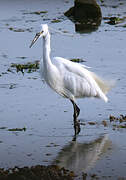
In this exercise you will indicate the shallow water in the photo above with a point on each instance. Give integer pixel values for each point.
(26, 101)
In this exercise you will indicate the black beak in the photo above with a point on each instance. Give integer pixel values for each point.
(35, 39)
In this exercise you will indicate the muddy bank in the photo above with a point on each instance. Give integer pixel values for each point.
(51, 172)
(36, 173)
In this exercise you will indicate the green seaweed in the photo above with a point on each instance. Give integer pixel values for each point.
(78, 60)
(122, 126)
(55, 21)
(121, 118)
(114, 20)
(36, 12)
(119, 122)
(27, 67)
(19, 29)
(17, 129)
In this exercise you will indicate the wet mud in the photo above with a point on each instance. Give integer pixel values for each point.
(36, 173)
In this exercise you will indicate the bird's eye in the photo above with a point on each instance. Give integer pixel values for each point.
(42, 31)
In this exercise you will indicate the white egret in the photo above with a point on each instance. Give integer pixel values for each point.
(69, 79)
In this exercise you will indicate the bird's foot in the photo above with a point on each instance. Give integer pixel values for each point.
(74, 138)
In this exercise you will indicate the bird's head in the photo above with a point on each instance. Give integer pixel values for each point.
(43, 32)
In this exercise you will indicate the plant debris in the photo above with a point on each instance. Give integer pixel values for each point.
(21, 57)
(19, 29)
(121, 119)
(27, 67)
(114, 20)
(36, 12)
(17, 129)
(78, 60)
(121, 126)
(55, 21)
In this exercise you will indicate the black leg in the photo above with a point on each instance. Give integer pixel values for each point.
(77, 110)
(76, 122)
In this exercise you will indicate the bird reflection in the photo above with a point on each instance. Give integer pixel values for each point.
(80, 157)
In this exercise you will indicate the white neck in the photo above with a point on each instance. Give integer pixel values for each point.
(46, 49)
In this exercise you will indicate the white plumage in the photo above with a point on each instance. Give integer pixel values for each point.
(69, 79)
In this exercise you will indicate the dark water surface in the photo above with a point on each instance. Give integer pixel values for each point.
(26, 101)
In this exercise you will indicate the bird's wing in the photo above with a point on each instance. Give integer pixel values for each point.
(77, 79)
(69, 66)
(63, 60)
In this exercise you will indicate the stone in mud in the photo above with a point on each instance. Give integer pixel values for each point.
(86, 14)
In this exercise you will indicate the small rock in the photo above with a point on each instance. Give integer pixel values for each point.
(92, 123)
(104, 123)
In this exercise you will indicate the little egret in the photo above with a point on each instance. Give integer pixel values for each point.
(69, 79)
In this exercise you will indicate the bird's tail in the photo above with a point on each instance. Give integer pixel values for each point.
(104, 85)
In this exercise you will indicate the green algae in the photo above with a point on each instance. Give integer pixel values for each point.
(17, 129)
(36, 12)
(27, 67)
(78, 60)
(55, 21)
